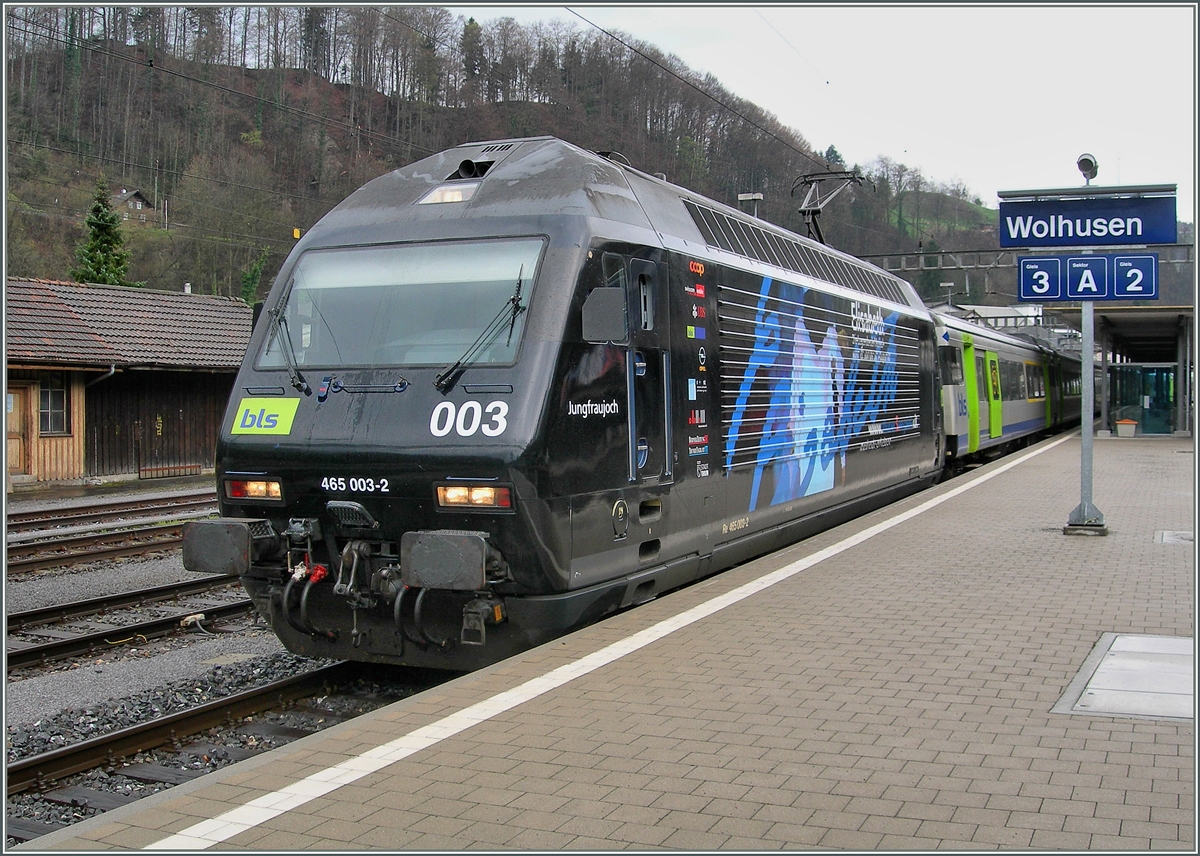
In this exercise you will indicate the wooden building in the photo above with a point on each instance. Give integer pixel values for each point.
(105, 381)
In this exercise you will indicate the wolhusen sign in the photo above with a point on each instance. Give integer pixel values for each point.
(1088, 222)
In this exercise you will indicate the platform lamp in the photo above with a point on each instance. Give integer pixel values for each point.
(1088, 166)
(751, 197)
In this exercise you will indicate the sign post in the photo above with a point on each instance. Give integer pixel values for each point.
(1085, 514)
(1082, 218)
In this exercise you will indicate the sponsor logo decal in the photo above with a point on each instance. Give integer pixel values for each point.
(265, 416)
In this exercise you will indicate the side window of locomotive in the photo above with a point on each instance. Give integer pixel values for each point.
(981, 382)
(605, 310)
(614, 270)
(952, 367)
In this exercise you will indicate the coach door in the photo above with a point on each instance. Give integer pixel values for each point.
(995, 410)
(984, 400)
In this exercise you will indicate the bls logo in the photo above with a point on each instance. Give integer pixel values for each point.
(265, 416)
(262, 420)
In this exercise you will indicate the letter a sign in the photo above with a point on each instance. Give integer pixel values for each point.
(1087, 278)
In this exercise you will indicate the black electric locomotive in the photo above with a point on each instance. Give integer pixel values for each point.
(516, 386)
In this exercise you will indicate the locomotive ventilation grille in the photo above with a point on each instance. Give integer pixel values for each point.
(746, 239)
(799, 385)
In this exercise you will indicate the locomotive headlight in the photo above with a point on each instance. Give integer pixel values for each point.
(268, 489)
(468, 496)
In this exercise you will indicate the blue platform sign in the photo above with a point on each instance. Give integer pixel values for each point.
(1088, 222)
(1076, 278)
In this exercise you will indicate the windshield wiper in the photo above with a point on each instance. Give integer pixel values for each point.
(285, 348)
(511, 308)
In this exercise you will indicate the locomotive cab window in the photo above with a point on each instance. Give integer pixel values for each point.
(405, 305)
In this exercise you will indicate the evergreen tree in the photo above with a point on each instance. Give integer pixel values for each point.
(102, 257)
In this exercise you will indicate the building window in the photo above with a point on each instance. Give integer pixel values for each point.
(52, 409)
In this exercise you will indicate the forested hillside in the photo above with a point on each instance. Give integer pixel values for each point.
(238, 125)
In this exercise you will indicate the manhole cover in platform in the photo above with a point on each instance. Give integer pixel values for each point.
(1169, 537)
(1128, 675)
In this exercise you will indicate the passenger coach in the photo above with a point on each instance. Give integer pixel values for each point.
(515, 386)
(999, 390)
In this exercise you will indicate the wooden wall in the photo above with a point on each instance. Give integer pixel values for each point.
(155, 423)
(57, 457)
(149, 424)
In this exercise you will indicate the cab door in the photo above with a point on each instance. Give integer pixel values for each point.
(649, 376)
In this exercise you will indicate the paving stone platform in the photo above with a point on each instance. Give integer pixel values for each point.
(895, 691)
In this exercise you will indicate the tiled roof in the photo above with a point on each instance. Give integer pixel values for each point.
(68, 323)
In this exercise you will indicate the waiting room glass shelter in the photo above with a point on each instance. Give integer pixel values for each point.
(1144, 393)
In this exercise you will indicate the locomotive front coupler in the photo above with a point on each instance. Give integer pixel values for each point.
(354, 575)
(300, 534)
(477, 614)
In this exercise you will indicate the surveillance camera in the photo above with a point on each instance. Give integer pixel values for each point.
(1087, 165)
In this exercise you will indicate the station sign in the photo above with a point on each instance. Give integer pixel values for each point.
(1088, 222)
(1075, 278)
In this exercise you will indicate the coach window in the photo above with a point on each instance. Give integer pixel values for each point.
(1033, 381)
(52, 406)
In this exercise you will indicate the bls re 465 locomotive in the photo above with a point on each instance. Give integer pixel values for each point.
(516, 386)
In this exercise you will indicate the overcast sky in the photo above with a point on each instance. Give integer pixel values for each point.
(999, 97)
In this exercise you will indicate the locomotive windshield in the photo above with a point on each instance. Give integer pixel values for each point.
(401, 304)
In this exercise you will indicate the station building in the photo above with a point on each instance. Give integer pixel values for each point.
(109, 382)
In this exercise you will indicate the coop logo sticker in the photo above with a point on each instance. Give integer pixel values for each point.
(265, 416)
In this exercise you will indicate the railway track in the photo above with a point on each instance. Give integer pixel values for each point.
(38, 771)
(101, 512)
(184, 745)
(82, 627)
(63, 537)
